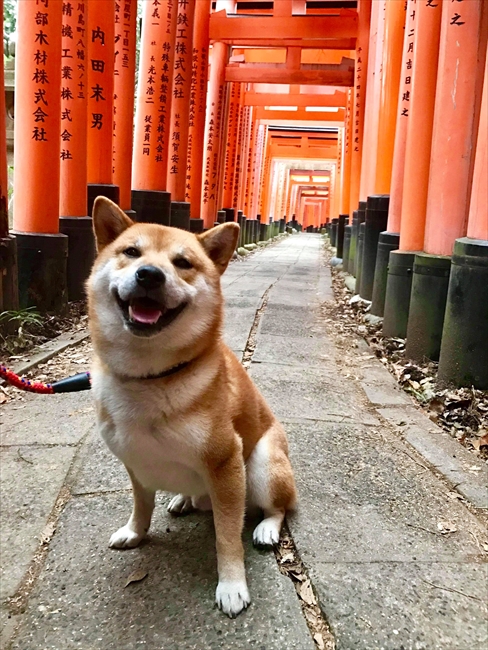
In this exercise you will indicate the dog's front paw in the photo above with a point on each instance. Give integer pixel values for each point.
(125, 537)
(180, 505)
(232, 597)
(267, 533)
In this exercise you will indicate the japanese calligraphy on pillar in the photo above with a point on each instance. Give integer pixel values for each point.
(99, 87)
(406, 79)
(237, 158)
(124, 76)
(180, 109)
(154, 95)
(73, 109)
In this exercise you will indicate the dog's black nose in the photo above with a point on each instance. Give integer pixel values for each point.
(149, 277)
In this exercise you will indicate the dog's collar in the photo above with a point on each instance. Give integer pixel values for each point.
(160, 375)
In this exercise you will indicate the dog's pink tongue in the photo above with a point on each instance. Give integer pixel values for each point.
(148, 315)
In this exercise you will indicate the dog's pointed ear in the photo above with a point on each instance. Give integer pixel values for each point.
(220, 243)
(109, 221)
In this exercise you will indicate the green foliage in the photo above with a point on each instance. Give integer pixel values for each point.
(22, 317)
(9, 16)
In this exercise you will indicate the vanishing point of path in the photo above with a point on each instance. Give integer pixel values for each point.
(393, 552)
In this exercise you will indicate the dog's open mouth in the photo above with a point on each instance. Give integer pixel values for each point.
(146, 316)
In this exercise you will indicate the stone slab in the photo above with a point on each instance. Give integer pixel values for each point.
(30, 481)
(80, 600)
(98, 469)
(376, 514)
(294, 321)
(295, 351)
(386, 394)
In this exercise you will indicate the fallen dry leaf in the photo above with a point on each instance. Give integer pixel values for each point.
(306, 592)
(446, 527)
(136, 576)
(319, 640)
(47, 533)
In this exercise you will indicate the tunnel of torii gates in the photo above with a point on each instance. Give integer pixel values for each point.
(366, 119)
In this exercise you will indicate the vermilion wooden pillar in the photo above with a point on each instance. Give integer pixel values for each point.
(180, 113)
(198, 101)
(231, 145)
(42, 250)
(213, 118)
(99, 86)
(245, 148)
(392, 59)
(464, 351)
(420, 107)
(9, 298)
(373, 93)
(75, 220)
(237, 156)
(359, 94)
(389, 239)
(464, 32)
(124, 80)
(150, 199)
(347, 156)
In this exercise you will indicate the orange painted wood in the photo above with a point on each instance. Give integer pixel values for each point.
(301, 114)
(215, 98)
(245, 148)
(478, 209)
(361, 71)
(373, 92)
(392, 59)
(198, 102)
(37, 117)
(3, 150)
(346, 176)
(124, 88)
(398, 165)
(231, 144)
(100, 38)
(333, 76)
(235, 31)
(420, 124)
(154, 96)
(464, 32)
(73, 154)
(180, 106)
(338, 99)
(249, 165)
(237, 154)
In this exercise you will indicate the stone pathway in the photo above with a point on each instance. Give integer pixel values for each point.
(394, 553)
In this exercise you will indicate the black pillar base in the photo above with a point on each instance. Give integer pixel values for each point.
(342, 223)
(282, 225)
(263, 232)
(132, 214)
(333, 233)
(241, 220)
(196, 226)
(180, 215)
(42, 260)
(9, 291)
(221, 216)
(359, 256)
(353, 243)
(81, 253)
(427, 306)
(376, 220)
(347, 246)
(387, 242)
(361, 219)
(230, 214)
(464, 349)
(152, 206)
(101, 189)
(398, 291)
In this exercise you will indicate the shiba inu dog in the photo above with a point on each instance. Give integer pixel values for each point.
(173, 402)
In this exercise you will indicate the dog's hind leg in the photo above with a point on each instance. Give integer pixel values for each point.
(270, 484)
(136, 528)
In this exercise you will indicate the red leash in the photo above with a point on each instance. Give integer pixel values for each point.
(72, 384)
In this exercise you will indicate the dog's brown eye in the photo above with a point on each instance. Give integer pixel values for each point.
(132, 252)
(182, 263)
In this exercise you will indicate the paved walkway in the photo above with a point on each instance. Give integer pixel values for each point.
(394, 556)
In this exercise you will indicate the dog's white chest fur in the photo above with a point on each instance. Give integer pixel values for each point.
(163, 451)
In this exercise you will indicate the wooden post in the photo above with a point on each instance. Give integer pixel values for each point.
(230, 145)
(464, 31)
(213, 118)
(75, 222)
(392, 60)
(150, 199)
(124, 81)
(198, 102)
(361, 72)
(420, 107)
(180, 114)
(42, 250)
(464, 351)
(100, 36)
(347, 156)
(9, 296)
